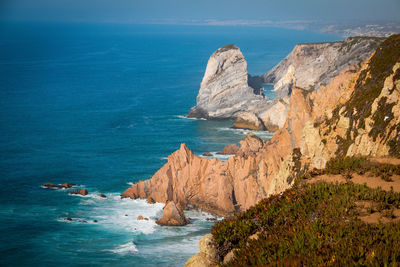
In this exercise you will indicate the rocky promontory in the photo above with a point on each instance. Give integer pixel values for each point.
(227, 91)
(357, 113)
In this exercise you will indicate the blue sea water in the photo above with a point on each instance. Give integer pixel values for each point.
(103, 105)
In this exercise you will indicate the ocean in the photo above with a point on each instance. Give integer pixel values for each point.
(103, 105)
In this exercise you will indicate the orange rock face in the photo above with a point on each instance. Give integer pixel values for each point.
(229, 150)
(82, 192)
(173, 216)
(215, 186)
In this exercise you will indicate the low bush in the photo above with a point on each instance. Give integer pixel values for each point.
(313, 224)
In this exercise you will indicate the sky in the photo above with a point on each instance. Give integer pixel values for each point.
(148, 11)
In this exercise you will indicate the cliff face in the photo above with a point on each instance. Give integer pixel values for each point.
(309, 66)
(227, 91)
(357, 113)
(225, 88)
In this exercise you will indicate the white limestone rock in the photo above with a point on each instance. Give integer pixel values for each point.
(225, 88)
(311, 65)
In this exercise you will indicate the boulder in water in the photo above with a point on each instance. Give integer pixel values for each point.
(173, 215)
(229, 150)
(82, 192)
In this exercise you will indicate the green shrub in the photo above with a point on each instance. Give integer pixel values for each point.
(313, 225)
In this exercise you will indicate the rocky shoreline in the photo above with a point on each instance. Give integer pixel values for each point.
(357, 113)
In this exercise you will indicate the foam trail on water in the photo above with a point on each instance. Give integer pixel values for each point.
(263, 134)
(218, 156)
(127, 248)
(121, 214)
(187, 118)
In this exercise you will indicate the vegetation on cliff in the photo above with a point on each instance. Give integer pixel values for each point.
(318, 223)
(368, 87)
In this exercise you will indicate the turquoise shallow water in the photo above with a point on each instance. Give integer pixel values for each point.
(102, 106)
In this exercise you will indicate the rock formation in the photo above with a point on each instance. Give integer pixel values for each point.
(59, 186)
(208, 255)
(225, 88)
(227, 91)
(82, 192)
(172, 215)
(229, 150)
(311, 65)
(248, 120)
(357, 113)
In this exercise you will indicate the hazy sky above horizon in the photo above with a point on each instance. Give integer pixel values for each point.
(142, 11)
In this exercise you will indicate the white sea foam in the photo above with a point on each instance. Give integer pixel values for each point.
(218, 156)
(116, 215)
(124, 249)
(187, 118)
(263, 134)
(121, 214)
(79, 195)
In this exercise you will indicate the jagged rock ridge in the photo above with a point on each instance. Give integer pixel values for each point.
(227, 91)
(358, 113)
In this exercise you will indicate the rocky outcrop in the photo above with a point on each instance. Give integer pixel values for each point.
(248, 120)
(215, 186)
(229, 150)
(59, 186)
(229, 92)
(172, 215)
(82, 192)
(226, 88)
(309, 66)
(357, 113)
(208, 255)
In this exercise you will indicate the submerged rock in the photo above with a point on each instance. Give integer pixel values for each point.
(207, 154)
(59, 186)
(82, 192)
(102, 195)
(68, 185)
(229, 150)
(172, 216)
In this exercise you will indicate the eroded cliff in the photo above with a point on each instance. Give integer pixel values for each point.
(358, 112)
(227, 88)
(227, 91)
(309, 66)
